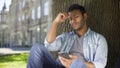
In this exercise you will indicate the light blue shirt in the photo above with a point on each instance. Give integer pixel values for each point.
(95, 48)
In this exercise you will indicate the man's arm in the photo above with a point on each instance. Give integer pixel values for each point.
(51, 35)
(100, 58)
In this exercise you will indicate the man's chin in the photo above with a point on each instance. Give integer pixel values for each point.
(77, 29)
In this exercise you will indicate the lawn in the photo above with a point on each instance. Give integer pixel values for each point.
(13, 61)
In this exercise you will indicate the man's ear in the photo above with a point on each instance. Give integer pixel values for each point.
(85, 16)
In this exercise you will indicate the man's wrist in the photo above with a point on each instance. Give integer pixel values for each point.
(78, 64)
(89, 64)
(56, 23)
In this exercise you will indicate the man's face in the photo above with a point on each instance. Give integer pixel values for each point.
(77, 19)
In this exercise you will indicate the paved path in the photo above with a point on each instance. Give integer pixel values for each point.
(14, 50)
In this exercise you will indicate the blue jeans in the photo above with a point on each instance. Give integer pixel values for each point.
(40, 57)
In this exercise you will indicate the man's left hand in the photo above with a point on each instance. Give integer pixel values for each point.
(67, 62)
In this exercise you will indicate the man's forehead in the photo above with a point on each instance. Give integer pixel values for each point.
(74, 12)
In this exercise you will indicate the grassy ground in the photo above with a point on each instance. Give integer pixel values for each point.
(13, 61)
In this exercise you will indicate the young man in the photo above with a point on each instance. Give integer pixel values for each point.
(85, 48)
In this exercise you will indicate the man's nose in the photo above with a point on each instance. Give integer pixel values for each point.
(72, 20)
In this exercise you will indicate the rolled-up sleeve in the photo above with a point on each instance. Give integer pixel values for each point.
(56, 45)
(100, 59)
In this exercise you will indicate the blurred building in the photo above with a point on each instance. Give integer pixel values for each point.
(28, 21)
(4, 30)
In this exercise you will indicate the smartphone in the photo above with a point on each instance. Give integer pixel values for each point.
(65, 55)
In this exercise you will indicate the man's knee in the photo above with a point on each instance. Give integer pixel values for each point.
(37, 49)
(37, 46)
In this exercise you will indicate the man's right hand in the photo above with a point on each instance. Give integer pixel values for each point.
(61, 17)
(51, 35)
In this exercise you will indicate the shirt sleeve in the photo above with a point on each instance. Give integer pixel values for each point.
(100, 59)
(56, 45)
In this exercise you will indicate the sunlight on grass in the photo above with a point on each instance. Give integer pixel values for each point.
(14, 61)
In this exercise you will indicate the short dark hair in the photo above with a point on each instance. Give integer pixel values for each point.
(76, 7)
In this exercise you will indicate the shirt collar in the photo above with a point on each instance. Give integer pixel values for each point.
(88, 31)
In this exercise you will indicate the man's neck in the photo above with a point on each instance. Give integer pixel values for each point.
(82, 31)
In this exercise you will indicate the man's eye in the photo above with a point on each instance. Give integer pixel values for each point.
(76, 16)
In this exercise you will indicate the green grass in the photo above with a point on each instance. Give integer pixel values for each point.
(13, 61)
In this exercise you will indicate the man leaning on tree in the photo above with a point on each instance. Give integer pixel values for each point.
(86, 48)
